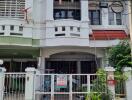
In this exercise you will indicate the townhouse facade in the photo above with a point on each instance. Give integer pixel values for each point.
(60, 36)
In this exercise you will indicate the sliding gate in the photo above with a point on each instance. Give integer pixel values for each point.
(64, 86)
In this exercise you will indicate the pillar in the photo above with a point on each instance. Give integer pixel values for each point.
(84, 10)
(29, 85)
(128, 74)
(41, 64)
(106, 58)
(110, 76)
(84, 27)
(105, 14)
(49, 9)
(2, 79)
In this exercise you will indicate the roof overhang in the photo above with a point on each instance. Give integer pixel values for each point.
(108, 35)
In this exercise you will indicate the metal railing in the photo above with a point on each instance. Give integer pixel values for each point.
(67, 86)
(14, 86)
(120, 88)
(60, 86)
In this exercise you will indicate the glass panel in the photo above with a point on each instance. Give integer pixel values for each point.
(66, 14)
(70, 14)
(94, 16)
(118, 19)
(111, 18)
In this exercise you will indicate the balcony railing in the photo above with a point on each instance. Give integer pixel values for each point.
(67, 5)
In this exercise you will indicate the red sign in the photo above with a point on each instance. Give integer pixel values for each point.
(61, 80)
(111, 82)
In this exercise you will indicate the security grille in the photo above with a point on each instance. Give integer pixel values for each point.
(12, 8)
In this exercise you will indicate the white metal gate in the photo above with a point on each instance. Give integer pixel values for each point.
(65, 86)
(14, 86)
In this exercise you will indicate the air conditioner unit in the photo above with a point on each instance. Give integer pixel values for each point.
(103, 5)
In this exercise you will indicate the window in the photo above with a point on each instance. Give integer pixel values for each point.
(63, 28)
(3, 27)
(12, 8)
(20, 28)
(95, 17)
(71, 28)
(56, 29)
(78, 29)
(118, 19)
(12, 27)
(111, 18)
(115, 18)
(67, 14)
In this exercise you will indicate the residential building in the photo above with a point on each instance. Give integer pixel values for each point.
(60, 36)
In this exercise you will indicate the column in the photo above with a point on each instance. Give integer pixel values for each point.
(110, 76)
(128, 74)
(105, 14)
(84, 10)
(84, 29)
(49, 9)
(29, 85)
(2, 79)
(39, 10)
(106, 58)
(41, 64)
(52, 86)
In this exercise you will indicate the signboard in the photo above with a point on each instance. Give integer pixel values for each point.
(61, 80)
(110, 80)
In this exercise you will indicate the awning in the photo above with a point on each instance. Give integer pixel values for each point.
(108, 34)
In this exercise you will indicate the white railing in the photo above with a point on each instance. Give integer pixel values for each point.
(67, 28)
(14, 86)
(35, 86)
(66, 86)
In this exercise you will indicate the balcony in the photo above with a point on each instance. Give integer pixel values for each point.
(14, 32)
(67, 32)
(66, 28)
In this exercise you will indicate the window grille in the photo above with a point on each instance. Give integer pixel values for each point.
(12, 8)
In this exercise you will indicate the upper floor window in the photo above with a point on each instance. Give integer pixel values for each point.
(12, 8)
(12, 27)
(20, 28)
(3, 27)
(67, 14)
(115, 18)
(95, 17)
(67, 9)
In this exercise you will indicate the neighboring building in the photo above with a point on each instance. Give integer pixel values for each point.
(65, 36)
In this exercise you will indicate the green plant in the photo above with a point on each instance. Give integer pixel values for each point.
(93, 96)
(99, 89)
(120, 55)
(99, 85)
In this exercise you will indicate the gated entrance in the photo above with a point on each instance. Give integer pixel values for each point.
(35, 86)
(64, 86)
